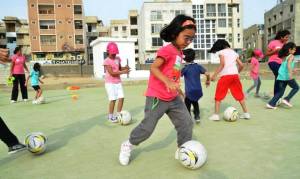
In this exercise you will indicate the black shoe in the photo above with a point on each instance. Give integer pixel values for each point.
(197, 119)
(16, 148)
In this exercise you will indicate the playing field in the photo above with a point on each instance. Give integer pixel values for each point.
(83, 144)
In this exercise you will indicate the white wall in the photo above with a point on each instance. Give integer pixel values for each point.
(126, 53)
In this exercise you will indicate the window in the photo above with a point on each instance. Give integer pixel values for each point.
(47, 24)
(222, 10)
(78, 24)
(116, 28)
(59, 5)
(156, 15)
(291, 8)
(156, 42)
(269, 20)
(177, 12)
(34, 37)
(238, 23)
(46, 9)
(229, 11)
(274, 17)
(68, 5)
(230, 22)
(40, 55)
(210, 10)
(133, 20)
(156, 28)
(222, 22)
(78, 39)
(32, 22)
(133, 32)
(31, 5)
(77, 9)
(124, 28)
(48, 39)
(60, 22)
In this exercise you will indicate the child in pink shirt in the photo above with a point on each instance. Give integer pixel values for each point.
(254, 72)
(113, 84)
(163, 92)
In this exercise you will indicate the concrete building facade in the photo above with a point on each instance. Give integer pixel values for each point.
(153, 17)
(15, 32)
(254, 37)
(217, 19)
(285, 15)
(57, 30)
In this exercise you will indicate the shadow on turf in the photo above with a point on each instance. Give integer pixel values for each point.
(156, 146)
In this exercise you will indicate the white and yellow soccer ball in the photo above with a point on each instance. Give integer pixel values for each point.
(231, 114)
(36, 142)
(192, 154)
(124, 117)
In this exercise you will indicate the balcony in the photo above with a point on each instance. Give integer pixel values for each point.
(11, 34)
(93, 34)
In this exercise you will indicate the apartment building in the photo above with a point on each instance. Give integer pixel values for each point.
(56, 29)
(217, 19)
(285, 15)
(254, 37)
(153, 17)
(15, 32)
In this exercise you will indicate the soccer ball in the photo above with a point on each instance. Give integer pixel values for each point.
(192, 154)
(36, 142)
(231, 114)
(124, 117)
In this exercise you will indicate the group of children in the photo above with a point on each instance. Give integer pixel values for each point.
(164, 96)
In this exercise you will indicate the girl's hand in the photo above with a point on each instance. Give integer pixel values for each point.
(172, 86)
(213, 78)
(207, 83)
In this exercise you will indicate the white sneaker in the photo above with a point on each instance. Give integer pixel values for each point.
(214, 117)
(25, 100)
(34, 102)
(245, 116)
(268, 106)
(177, 154)
(13, 101)
(284, 101)
(124, 156)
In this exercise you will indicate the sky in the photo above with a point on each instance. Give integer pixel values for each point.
(118, 9)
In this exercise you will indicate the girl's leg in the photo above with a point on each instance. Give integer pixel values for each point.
(295, 88)
(15, 88)
(244, 107)
(282, 85)
(111, 106)
(39, 93)
(23, 87)
(275, 67)
(252, 87)
(181, 119)
(196, 109)
(6, 135)
(154, 110)
(188, 104)
(217, 107)
(120, 104)
(258, 86)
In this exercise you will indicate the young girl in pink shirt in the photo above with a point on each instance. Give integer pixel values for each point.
(113, 84)
(163, 92)
(254, 72)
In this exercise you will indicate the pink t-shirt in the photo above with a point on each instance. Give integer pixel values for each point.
(115, 65)
(171, 69)
(19, 61)
(254, 73)
(230, 57)
(275, 44)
